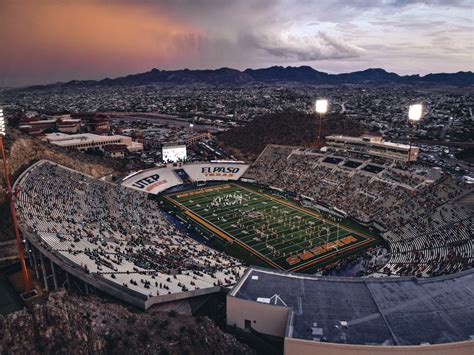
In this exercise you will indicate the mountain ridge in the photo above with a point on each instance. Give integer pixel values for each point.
(271, 75)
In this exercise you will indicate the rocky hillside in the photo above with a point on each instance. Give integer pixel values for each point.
(24, 150)
(70, 324)
(287, 128)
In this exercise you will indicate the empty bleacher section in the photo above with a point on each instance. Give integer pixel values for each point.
(429, 230)
(115, 234)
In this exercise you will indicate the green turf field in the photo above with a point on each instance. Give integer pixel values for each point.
(281, 234)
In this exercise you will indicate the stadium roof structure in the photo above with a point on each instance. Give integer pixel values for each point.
(63, 139)
(375, 143)
(366, 311)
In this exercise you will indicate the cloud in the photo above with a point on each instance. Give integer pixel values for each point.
(51, 40)
(63, 40)
(321, 46)
(392, 4)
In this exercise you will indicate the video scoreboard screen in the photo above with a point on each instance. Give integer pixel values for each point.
(172, 154)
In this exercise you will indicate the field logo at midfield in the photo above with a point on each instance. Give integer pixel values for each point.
(320, 249)
(219, 171)
(149, 183)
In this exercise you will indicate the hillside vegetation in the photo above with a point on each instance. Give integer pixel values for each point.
(287, 128)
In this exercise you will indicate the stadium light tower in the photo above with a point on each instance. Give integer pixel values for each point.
(414, 115)
(321, 109)
(10, 196)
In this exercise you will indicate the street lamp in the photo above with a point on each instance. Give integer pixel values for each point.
(414, 115)
(10, 195)
(321, 108)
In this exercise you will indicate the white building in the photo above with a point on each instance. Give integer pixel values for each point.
(85, 141)
(372, 145)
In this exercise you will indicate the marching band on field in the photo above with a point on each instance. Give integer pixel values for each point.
(269, 223)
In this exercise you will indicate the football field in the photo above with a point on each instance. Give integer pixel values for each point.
(283, 235)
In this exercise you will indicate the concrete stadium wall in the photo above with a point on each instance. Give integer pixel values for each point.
(181, 295)
(265, 318)
(91, 279)
(307, 347)
(127, 295)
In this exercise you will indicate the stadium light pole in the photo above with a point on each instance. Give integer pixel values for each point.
(414, 115)
(321, 109)
(10, 197)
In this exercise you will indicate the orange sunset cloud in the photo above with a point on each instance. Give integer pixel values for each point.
(63, 36)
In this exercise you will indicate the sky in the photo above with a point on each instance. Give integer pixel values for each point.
(46, 41)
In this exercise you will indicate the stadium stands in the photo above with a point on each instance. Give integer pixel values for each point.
(429, 232)
(116, 233)
(120, 238)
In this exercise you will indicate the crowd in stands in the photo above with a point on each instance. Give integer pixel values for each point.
(354, 191)
(117, 233)
(406, 179)
(359, 265)
(430, 232)
(121, 235)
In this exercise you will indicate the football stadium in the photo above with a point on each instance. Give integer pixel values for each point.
(237, 177)
(271, 235)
